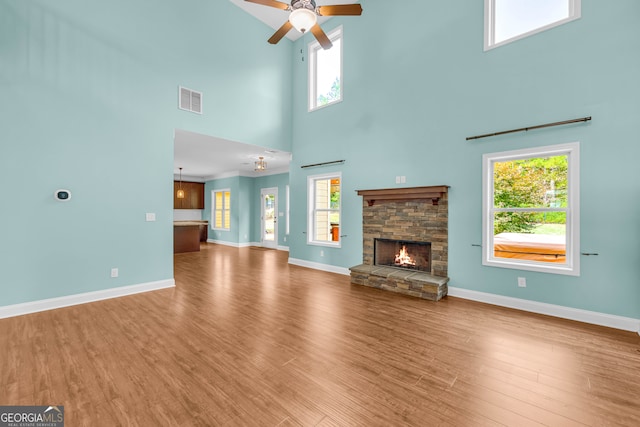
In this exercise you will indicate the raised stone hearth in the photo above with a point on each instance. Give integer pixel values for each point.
(418, 214)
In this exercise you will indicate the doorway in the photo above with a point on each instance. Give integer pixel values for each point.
(269, 217)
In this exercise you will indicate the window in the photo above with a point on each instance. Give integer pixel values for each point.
(325, 72)
(288, 195)
(221, 212)
(509, 20)
(324, 210)
(531, 209)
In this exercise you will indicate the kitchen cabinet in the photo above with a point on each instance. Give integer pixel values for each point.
(193, 195)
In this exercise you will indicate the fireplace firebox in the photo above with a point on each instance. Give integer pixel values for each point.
(402, 254)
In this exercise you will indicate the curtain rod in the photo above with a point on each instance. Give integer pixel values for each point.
(566, 122)
(322, 164)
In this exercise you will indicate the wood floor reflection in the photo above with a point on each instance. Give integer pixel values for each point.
(245, 339)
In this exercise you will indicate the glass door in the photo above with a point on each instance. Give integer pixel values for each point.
(269, 217)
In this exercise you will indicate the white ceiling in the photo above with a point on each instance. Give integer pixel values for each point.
(204, 157)
(275, 17)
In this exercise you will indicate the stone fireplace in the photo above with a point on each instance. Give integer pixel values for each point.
(405, 241)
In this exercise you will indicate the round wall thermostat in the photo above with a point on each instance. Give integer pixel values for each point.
(62, 195)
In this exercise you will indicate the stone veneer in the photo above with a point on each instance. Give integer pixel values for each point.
(414, 218)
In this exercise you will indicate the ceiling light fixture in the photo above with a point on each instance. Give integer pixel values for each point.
(260, 165)
(302, 19)
(180, 192)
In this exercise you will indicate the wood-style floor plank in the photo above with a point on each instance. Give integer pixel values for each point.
(245, 339)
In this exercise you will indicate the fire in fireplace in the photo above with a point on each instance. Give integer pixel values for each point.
(402, 254)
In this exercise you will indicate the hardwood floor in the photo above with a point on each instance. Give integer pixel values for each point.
(247, 340)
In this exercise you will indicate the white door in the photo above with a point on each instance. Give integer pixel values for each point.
(269, 217)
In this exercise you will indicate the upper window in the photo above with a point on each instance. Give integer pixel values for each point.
(324, 209)
(509, 20)
(221, 212)
(531, 209)
(325, 72)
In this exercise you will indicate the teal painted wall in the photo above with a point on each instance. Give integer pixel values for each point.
(89, 103)
(245, 207)
(416, 85)
(238, 204)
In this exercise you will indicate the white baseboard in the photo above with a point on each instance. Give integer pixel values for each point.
(232, 244)
(593, 317)
(318, 266)
(245, 245)
(66, 301)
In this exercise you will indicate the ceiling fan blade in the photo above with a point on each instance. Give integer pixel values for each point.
(282, 31)
(271, 3)
(340, 9)
(321, 37)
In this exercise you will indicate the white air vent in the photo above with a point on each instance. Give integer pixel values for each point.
(190, 100)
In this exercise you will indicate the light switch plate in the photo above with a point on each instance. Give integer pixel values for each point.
(151, 216)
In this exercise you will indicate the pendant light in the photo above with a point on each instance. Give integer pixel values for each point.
(180, 193)
(260, 165)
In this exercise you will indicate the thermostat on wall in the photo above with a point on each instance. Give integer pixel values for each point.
(62, 195)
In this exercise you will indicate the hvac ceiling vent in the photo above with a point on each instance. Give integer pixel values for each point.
(190, 100)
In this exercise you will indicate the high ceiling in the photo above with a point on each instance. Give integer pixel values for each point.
(205, 157)
(275, 17)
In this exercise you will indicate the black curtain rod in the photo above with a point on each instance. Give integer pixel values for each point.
(566, 122)
(322, 164)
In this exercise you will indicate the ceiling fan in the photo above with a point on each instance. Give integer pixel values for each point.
(304, 16)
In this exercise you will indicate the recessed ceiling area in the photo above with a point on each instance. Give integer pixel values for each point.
(274, 18)
(204, 157)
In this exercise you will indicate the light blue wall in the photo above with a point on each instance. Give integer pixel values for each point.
(89, 103)
(241, 192)
(417, 84)
(245, 207)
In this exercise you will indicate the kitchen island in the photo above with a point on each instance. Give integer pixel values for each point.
(187, 235)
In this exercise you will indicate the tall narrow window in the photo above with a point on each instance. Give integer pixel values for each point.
(509, 20)
(325, 72)
(531, 209)
(324, 209)
(288, 215)
(221, 211)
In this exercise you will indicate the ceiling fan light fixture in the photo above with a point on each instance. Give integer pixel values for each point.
(303, 19)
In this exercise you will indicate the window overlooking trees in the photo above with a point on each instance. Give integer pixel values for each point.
(509, 20)
(324, 192)
(325, 72)
(531, 209)
(221, 212)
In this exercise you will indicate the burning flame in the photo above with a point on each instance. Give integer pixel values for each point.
(403, 258)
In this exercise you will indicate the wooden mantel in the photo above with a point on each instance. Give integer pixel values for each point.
(402, 194)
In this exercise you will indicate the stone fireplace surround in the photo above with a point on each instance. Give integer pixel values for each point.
(417, 214)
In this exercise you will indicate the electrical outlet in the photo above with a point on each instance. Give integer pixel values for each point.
(522, 282)
(114, 272)
(321, 253)
(150, 217)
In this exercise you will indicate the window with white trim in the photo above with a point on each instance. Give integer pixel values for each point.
(531, 209)
(324, 211)
(325, 72)
(221, 210)
(508, 20)
(288, 214)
